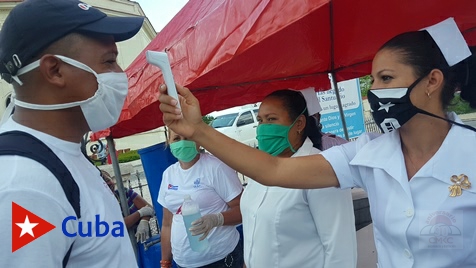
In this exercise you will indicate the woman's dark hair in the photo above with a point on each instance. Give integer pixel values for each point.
(295, 103)
(419, 50)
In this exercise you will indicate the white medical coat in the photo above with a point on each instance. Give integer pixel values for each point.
(416, 222)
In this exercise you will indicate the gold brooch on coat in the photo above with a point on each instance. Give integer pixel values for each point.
(459, 183)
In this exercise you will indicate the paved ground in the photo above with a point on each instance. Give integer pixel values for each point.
(468, 117)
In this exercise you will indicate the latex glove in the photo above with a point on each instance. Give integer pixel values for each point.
(205, 224)
(143, 232)
(146, 211)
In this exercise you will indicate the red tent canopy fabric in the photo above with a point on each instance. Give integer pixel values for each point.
(231, 53)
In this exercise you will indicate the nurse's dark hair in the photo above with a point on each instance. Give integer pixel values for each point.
(419, 50)
(294, 104)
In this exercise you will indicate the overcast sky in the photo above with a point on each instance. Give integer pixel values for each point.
(160, 12)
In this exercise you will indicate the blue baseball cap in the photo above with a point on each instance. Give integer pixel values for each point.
(35, 24)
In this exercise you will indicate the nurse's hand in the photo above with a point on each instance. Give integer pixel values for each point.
(186, 121)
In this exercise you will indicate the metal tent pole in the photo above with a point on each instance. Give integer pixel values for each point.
(120, 188)
(339, 103)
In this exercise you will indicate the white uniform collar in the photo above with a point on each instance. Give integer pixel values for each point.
(305, 149)
(385, 153)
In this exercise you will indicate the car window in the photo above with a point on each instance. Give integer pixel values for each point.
(225, 120)
(245, 119)
(256, 112)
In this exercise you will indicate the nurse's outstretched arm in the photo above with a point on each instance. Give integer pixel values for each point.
(299, 172)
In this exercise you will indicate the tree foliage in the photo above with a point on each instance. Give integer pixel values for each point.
(208, 119)
(365, 84)
(459, 106)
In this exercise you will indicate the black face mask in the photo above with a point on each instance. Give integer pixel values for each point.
(392, 108)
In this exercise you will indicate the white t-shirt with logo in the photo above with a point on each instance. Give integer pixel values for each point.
(211, 184)
(32, 186)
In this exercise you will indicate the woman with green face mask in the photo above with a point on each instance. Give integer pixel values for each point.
(421, 169)
(292, 227)
(217, 190)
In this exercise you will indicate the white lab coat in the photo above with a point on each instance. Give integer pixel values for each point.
(416, 222)
(298, 228)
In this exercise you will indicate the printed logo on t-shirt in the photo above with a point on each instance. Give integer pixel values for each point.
(26, 226)
(172, 187)
(196, 183)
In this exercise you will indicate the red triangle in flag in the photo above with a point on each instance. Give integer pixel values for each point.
(26, 226)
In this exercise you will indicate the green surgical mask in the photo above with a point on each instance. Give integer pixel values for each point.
(274, 138)
(184, 150)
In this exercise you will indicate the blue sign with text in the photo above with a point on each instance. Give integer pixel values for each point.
(351, 100)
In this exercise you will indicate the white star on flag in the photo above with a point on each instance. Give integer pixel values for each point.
(385, 106)
(27, 227)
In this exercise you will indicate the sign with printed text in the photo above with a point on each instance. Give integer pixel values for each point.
(351, 100)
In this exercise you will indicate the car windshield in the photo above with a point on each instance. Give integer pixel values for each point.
(224, 120)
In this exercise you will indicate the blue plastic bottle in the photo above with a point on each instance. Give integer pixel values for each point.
(190, 213)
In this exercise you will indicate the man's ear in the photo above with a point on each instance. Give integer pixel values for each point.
(52, 70)
(435, 81)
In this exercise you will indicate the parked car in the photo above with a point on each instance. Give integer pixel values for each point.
(239, 123)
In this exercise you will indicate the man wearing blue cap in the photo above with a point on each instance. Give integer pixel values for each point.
(60, 57)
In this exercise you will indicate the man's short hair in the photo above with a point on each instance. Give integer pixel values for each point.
(33, 25)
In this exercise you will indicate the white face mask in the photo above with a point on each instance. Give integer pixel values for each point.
(102, 110)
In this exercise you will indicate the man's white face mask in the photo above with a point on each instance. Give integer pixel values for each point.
(102, 110)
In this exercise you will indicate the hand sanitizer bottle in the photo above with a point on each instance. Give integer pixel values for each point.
(190, 213)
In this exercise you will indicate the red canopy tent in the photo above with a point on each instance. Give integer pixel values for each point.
(235, 52)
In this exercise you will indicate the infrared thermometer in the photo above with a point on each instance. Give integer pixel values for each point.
(161, 60)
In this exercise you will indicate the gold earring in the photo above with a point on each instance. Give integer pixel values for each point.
(428, 94)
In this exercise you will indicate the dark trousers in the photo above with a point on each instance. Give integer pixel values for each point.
(232, 260)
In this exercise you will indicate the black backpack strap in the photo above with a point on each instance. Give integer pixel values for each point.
(66, 257)
(26, 145)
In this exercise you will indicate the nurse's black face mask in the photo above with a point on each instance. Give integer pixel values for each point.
(391, 107)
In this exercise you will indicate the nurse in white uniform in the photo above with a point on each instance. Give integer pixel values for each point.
(293, 227)
(417, 175)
